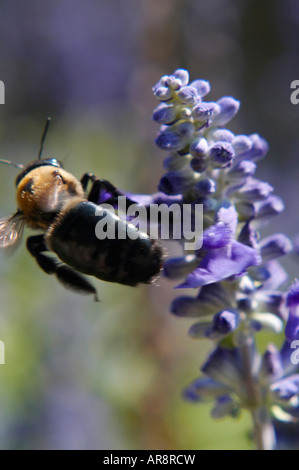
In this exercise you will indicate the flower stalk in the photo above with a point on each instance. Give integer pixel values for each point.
(263, 430)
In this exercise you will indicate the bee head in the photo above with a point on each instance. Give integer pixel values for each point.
(43, 188)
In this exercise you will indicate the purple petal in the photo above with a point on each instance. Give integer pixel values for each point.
(216, 236)
(224, 366)
(162, 93)
(292, 328)
(269, 208)
(228, 108)
(204, 388)
(221, 135)
(286, 388)
(205, 187)
(242, 169)
(165, 114)
(255, 190)
(222, 263)
(273, 302)
(228, 216)
(186, 307)
(241, 144)
(275, 246)
(256, 151)
(293, 295)
(224, 323)
(202, 87)
(248, 235)
(170, 141)
(221, 153)
(182, 75)
(188, 95)
(271, 274)
(203, 111)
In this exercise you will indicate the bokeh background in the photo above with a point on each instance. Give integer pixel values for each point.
(80, 375)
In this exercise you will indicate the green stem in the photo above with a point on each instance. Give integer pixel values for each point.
(264, 434)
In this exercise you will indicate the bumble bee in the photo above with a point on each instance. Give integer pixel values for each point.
(52, 200)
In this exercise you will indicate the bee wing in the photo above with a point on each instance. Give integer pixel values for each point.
(11, 230)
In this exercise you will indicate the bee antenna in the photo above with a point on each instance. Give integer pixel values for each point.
(43, 138)
(8, 162)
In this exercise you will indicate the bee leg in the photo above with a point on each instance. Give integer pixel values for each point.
(86, 178)
(67, 276)
(102, 191)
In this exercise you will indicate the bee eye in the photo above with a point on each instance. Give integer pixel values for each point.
(28, 186)
(58, 176)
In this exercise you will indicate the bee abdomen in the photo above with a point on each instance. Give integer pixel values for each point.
(123, 260)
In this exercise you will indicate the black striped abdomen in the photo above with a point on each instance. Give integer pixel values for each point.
(73, 238)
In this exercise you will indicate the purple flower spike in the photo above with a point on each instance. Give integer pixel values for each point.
(237, 273)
